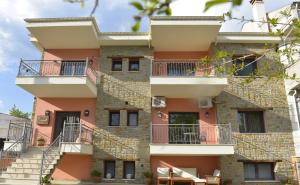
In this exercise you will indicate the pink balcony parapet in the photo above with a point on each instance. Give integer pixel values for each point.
(57, 68)
(181, 68)
(191, 134)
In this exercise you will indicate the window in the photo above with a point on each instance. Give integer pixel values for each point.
(259, 171)
(134, 65)
(248, 66)
(132, 118)
(72, 68)
(109, 169)
(116, 64)
(128, 169)
(251, 121)
(114, 118)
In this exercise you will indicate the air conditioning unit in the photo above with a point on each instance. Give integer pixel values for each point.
(158, 101)
(205, 102)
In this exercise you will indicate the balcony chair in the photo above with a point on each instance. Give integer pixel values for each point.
(163, 175)
(189, 174)
(214, 179)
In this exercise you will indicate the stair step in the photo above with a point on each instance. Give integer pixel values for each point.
(26, 170)
(30, 176)
(20, 181)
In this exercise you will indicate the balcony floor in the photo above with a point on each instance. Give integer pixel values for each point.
(58, 86)
(187, 87)
(191, 149)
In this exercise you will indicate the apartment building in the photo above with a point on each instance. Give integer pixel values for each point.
(128, 103)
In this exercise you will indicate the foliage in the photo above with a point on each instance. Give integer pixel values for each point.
(147, 174)
(286, 181)
(46, 179)
(14, 111)
(95, 173)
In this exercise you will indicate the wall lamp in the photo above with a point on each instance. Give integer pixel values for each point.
(86, 113)
(47, 113)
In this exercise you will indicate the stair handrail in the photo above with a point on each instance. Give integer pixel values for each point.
(45, 155)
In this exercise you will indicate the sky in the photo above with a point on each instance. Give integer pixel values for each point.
(111, 16)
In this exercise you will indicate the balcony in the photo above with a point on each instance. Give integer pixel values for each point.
(77, 138)
(185, 79)
(54, 78)
(191, 139)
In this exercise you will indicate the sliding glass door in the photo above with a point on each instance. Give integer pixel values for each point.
(183, 128)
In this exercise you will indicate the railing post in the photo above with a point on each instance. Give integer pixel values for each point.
(230, 133)
(63, 132)
(79, 132)
(7, 136)
(41, 167)
(151, 67)
(151, 128)
(21, 61)
(86, 65)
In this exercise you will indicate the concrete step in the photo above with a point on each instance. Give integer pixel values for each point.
(29, 176)
(4, 181)
(26, 170)
(30, 165)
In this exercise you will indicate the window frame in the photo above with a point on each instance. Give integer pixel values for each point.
(137, 117)
(105, 168)
(115, 61)
(256, 164)
(236, 60)
(262, 120)
(133, 60)
(124, 172)
(110, 118)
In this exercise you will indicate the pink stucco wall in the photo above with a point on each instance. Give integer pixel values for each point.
(65, 105)
(207, 123)
(205, 164)
(73, 167)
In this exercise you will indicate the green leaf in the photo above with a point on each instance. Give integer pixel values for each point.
(212, 3)
(168, 11)
(137, 5)
(136, 26)
(237, 2)
(273, 21)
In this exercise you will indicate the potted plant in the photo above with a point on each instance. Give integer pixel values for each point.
(40, 141)
(96, 176)
(46, 179)
(286, 181)
(227, 182)
(148, 177)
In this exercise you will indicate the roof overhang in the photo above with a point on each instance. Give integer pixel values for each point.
(124, 39)
(63, 33)
(242, 37)
(173, 33)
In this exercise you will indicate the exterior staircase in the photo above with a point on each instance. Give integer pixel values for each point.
(26, 169)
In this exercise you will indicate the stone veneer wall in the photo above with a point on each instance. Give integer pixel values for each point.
(277, 142)
(114, 90)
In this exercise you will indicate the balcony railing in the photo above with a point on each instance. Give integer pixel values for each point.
(181, 68)
(191, 134)
(55, 68)
(77, 133)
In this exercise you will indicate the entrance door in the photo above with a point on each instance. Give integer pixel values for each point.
(183, 128)
(64, 117)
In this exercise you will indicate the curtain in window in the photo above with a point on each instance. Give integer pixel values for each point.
(129, 170)
(249, 171)
(265, 171)
(254, 122)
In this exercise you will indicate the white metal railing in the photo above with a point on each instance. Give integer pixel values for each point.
(20, 136)
(191, 134)
(77, 133)
(181, 68)
(64, 68)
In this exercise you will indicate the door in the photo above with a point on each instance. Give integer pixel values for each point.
(64, 117)
(183, 128)
(72, 68)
